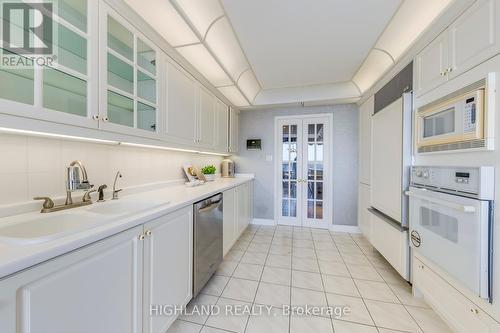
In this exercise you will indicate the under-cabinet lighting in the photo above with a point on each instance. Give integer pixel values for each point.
(216, 154)
(55, 136)
(101, 141)
(138, 145)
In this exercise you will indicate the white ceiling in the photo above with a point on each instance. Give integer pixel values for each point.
(292, 43)
(275, 52)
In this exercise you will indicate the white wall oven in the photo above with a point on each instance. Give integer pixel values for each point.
(451, 222)
(456, 121)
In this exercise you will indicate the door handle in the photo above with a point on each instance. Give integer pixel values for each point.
(459, 207)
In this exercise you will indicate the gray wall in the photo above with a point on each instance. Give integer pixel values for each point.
(260, 124)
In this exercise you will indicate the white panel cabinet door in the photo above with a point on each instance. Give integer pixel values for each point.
(475, 36)
(222, 132)
(387, 147)
(364, 217)
(242, 196)
(207, 118)
(168, 264)
(95, 289)
(234, 123)
(180, 118)
(230, 220)
(365, 130)
(431, 64)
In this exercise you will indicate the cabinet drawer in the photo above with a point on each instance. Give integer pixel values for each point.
(391, 243)
(462, 315)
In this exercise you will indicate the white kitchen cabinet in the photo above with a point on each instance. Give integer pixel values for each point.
(222, 132)
(67, 92)
(470, 40)
(364, 217)
(431, 64)
(95, 289)
(180, 115)
(237, 214)
(474, 37)
(392, 243)
(365, 130)
(462, 315)
(168, 264)
(129, 80)
(387, 157)
(243, 209)
(230, 220)
(234, 124)
(207, 118)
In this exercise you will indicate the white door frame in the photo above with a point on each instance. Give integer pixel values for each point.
(328, 215)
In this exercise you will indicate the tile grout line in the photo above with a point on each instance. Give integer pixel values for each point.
(361, 296)
(225, 285)
(323, 283)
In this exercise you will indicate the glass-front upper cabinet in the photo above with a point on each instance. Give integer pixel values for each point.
(129, 78)
(48, 76)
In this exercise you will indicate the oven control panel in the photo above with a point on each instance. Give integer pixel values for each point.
(467, 181)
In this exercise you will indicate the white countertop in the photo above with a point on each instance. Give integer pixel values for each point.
(16, 257)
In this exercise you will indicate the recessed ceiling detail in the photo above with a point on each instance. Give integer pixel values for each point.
(261, 52)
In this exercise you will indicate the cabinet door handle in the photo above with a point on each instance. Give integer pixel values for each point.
(95, 117)
(141, 237)
(148, 233)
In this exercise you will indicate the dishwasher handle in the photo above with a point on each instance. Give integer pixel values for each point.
(210, 206)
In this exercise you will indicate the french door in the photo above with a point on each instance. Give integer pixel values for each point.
(303, 177)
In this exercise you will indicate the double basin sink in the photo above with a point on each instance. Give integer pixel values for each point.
(38, 228)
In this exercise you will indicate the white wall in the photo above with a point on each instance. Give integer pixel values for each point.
(260, 125)
(34, 166)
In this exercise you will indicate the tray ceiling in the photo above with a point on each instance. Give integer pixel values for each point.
(302, 43)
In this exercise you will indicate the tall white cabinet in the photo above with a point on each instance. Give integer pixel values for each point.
(365, 148)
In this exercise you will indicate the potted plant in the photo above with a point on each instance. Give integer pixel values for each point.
(209, 172)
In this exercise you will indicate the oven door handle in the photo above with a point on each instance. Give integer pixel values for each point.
(461, 208)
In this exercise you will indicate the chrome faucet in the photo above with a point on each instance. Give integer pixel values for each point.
(115, 191)
(73, 181)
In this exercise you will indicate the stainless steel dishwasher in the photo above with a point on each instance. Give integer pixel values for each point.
(207, 240)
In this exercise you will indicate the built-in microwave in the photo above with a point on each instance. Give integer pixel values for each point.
(453, 123)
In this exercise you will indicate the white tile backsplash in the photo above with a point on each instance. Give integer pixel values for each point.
(34, 166)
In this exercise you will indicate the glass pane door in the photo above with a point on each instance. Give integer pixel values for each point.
(131, 79)
(289, 172)
(315, 132)
(302, 171)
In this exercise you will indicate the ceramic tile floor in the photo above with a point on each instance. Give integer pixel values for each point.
(278, 266)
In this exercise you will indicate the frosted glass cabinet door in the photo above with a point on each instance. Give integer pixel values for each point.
(60, 92)
(129, 99)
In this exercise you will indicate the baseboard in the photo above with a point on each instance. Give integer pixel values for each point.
(353, 229)
(263, 222)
